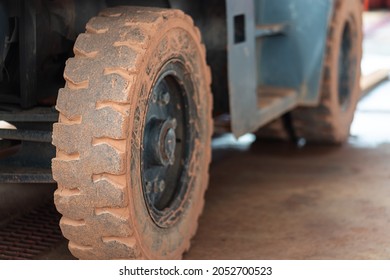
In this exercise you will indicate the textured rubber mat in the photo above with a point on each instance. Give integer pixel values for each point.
(30, 235)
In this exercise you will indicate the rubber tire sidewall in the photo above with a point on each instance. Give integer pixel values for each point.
(173, 41)
(346, 10)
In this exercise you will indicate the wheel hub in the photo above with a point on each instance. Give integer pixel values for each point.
(163, 144)
(166, 145)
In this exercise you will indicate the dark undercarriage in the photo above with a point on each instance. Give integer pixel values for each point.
(36, 38)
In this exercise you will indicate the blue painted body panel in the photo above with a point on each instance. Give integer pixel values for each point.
(294, 60)
(291, 60)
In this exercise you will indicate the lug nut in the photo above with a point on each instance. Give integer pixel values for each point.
(164, 98)
(158, 186)
(148, 187)
(161, 186)
(154, 97)
(174, 123)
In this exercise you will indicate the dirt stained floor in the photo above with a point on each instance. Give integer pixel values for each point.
(274, 201)
(271, 200)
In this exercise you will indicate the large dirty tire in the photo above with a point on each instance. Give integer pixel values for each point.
(99, 134)
(330, 121)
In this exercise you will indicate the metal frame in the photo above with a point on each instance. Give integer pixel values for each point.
(266, 58)
(284, 48)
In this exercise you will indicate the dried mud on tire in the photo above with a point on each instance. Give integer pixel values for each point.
(330, 121)
(99, 134)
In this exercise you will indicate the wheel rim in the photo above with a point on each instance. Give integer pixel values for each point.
(346, 66)
(167, 145)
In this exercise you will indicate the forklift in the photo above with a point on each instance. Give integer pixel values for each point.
(117, 100)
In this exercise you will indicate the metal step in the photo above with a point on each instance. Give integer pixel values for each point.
(15, 174)
(274, 102)
(270, 30)
(37, 114)
(26, 135)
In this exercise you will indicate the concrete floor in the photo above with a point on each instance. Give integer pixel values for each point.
(271, 200)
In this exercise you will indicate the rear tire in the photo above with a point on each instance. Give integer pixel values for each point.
(330, 121)
(108, 144)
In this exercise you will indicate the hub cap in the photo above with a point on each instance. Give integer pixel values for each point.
(166, 145)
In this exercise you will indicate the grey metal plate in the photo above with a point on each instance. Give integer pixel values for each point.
(242, 68)
(291, 60)
(294, 60)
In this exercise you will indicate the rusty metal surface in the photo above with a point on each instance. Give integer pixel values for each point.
(30, 235)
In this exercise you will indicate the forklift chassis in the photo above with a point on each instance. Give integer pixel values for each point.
(117, 101)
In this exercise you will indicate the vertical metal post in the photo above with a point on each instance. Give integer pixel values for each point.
(242, 65)
(28, 53)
